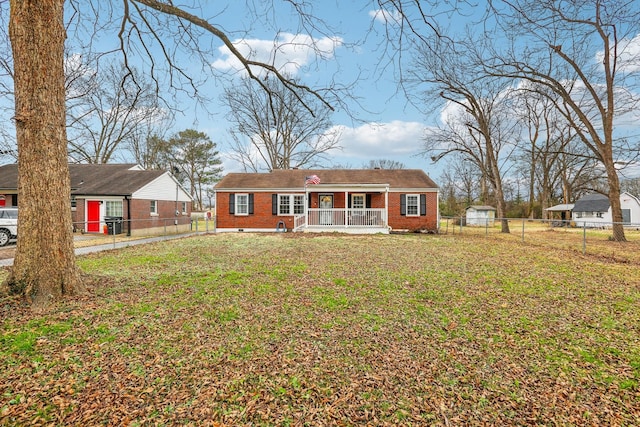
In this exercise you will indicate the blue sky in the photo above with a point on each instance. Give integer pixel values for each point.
(383, 125)
(386, 126)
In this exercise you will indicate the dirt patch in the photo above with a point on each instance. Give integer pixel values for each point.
(8, 252)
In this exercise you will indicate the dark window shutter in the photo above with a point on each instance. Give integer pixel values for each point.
(349, 201)
(274, 204)
(403, 204)
(232, 203)
(423, 204)
(309, 199)
(250, 203)
(368, 202)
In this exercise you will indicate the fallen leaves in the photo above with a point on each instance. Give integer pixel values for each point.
(273, 330)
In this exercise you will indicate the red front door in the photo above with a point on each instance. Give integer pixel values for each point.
(93, 216)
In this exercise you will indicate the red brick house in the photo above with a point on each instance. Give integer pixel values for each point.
(125, 197)
(344, 200)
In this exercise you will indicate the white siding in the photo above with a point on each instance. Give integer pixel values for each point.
(627, 201)
(162, 188)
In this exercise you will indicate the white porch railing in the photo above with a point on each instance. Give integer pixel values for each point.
(345, 218)
(299, 222)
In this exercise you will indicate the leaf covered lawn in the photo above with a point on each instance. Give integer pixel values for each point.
(335, 330)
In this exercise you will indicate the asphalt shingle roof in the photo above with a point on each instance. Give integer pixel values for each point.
(295, 178)
(92, 179)
(592, 203)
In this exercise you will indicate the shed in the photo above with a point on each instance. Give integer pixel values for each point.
(481, 215)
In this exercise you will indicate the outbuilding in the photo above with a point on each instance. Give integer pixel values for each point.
(481, 215)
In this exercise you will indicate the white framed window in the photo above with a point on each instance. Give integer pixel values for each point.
(298, 204)
(290, 204)
(413, 204)
(242, 204)
(284, 204)
(153, 207)
(357, 201)
(113, 208)
(184, 208)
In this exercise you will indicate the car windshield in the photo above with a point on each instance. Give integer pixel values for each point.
(9, 213)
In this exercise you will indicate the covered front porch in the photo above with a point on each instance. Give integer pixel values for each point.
(349, 209)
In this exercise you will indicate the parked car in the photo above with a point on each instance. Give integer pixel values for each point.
(8, 225)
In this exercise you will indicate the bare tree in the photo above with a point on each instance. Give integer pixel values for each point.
(110, 113)
(550, 153)
(384, 164)
(478, 126)
(147, 145)
(158, 34)
(632, 186)
(579, 50)
(44, 267)
(274, 130)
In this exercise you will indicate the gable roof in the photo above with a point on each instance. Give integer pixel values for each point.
(560, 208)
(592, 203)
(481, 208)
(94, 179)
(295, 178)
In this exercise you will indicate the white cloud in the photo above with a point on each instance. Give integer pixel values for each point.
(396, 140)
(386, 17)
(288, 52)
(628, 55)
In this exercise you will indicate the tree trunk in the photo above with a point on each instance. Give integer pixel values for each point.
(44, 268)
(614, 199)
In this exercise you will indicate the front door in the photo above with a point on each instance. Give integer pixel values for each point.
(93, 216)
(326, 209)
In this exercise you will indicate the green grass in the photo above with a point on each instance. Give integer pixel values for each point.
(282, 329)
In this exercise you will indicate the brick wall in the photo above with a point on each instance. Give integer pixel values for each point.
(413, 223)
(140, 214)
(262, 217)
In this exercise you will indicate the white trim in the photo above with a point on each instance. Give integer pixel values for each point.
(292, 197)
(246, 230)
(153, 204)
(236, 204)
(417, 196)
(322, 188)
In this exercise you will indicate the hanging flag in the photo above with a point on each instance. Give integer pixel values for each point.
(313, 179)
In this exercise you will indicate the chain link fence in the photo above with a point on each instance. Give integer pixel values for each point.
(583, 237)
(118, 231)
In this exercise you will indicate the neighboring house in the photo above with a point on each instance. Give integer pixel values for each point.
(344, 200)
(564, 210)
(481, 215)
(117, 198)
(594, 210)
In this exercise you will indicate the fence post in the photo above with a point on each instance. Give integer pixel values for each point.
(584, 238)
(486, 226)
(460, 225)
(523, 229)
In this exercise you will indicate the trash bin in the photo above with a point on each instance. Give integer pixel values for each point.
(114, 224)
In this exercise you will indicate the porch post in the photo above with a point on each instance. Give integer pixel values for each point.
(306, 204)
(346, 209)
(386, 206)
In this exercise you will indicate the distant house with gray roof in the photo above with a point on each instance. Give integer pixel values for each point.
(594, 210)
(116, 198)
